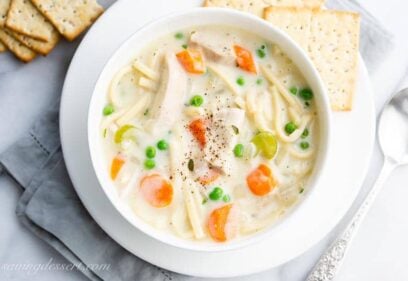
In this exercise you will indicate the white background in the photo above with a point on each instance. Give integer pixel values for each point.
(380, 248)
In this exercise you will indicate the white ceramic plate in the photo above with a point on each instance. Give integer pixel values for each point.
(353, 141)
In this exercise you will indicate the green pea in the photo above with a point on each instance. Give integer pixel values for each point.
(162, 145)
(150, 152)
(239, 150)
(305, 134)
(121, 132)
(259, 81)
(241, 81)
(216, 194)
(149, 164)
(261, 53)
(179, 35)
(226, 198)
(304, 145)
(306, 94)
(290, 128)
(196, 101)
(293, 90)
(108, 110)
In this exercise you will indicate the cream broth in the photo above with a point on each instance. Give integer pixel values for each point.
(210, 133)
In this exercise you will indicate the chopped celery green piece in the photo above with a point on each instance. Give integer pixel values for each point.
(120, 133)
(266, 144)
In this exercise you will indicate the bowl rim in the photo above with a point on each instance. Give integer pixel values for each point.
(324, 113)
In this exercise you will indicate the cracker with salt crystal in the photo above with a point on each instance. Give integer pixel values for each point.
(17, 48)
(257, 7)
(297, 26)
(2, 48)
(70, 17)
(41, 47)
(24, 18)
(4, 7)
(26, 24)
(332, 45)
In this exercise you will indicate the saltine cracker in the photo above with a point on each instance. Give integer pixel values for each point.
(332, 45)
(70, 17)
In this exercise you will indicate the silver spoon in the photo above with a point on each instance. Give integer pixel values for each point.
(393, 137)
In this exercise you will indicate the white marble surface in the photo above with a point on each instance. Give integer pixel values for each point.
(379, 251)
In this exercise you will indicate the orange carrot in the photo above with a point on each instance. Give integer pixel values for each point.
(217, 222)
(117, 164)
(244, 59)
(156, 190)
(209, 177)
(192, 61)
(261, 181)
(197, 129)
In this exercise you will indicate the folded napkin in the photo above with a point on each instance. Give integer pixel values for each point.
(50, 208)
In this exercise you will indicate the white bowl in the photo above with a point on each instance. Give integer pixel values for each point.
(172, 24)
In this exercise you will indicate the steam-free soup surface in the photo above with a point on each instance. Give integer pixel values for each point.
(209, 133)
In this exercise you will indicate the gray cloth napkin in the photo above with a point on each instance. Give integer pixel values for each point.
(50, 208)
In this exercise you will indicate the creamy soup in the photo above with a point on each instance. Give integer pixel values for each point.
(210, 133)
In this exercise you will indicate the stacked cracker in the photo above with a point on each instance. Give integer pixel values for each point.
(32, 27)
(331, 39)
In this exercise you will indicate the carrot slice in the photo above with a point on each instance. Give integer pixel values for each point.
(156, 190)
(244, 59)
(261, 181)
(197, 129)
(116, 166)
(192, 61)
(217, 222)
(209, 177)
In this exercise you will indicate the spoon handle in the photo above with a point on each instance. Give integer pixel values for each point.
(330, 262)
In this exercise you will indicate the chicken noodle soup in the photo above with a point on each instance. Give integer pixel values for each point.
(210, 133)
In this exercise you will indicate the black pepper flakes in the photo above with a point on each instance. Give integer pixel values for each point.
(191, 165)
